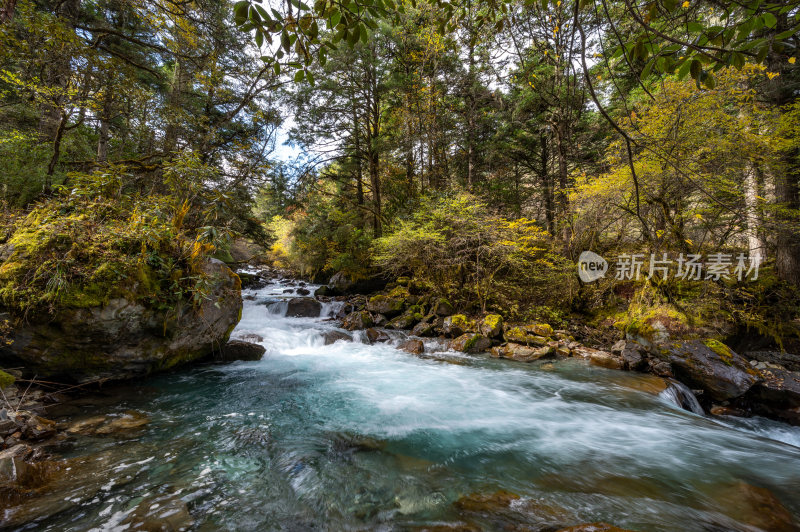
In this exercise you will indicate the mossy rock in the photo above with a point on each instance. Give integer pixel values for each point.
(521, 335)
(540, 329)
(125, 339)
(6, 380)
(443, 308)
(388, 305)
(471, 343)
(403, 281)
(456, 325)
(491, 326)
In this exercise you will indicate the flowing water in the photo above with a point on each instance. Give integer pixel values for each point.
(351, 436)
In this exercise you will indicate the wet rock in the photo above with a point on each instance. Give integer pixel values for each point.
(456, 325)
(710, 366)
(644, 383)
(754, 506)
(303, 291)
(471, 343)
(423, 329)
(240, 350)
(163, 513)
(415, 347)
(303, 307)
(520, 335)
(719, 410)
(289, 291)
(491, 326)
(443, 308)
(334, 336)
(323, 291)
(376, 336)
(606, 360)
(357, 320)
(109, 425)
(777, 396)
(522, 353)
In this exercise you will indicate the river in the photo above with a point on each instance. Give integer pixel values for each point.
(351, 436)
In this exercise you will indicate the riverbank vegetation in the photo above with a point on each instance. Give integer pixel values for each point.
(476, 148)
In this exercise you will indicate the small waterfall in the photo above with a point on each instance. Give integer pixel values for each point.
(278, 308)
(679, 394)
(331, 309)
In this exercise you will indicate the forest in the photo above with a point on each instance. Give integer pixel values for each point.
(513, 172)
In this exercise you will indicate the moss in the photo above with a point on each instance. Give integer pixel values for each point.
(6, 380)
(460, 321)
(399, 291)
(719, 348)
(493, 321)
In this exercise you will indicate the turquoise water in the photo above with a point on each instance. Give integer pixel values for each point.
(357, 437)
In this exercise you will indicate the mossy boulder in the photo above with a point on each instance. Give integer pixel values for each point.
(357, 320)
(86, 340)
(443, 308)
(520, 335)
(407, 319)
(710, 366)
(389, 305)
(471, 343)
(456, 325)
(491, 326)
(423, 329)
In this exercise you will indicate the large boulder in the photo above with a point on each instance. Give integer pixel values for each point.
(710, 366)
(124, 338)
(303, 307)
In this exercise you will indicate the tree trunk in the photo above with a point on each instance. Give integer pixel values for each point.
(755, 245)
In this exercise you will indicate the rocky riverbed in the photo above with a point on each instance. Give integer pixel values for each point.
(365, 412)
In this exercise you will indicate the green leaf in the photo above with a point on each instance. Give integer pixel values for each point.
(240, 12)
(310, 78)
(769, 19)
(276, 68)
(695, 68)
(694, 27)
(364, 34)
(259, 38)
(335, 19)
(684, 69)
(299, 75)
